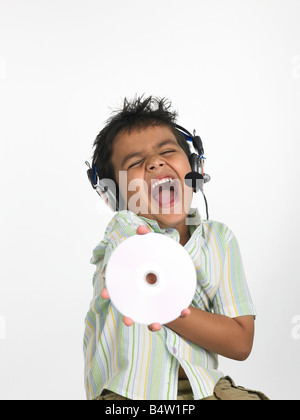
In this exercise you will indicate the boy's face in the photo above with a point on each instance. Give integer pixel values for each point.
(158, 156)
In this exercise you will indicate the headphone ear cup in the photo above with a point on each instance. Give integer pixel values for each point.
(107, 195)
(193, 159)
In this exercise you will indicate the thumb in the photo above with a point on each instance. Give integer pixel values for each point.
(105, 294)
(142, 230)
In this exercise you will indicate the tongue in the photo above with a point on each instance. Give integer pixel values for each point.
(166, 197)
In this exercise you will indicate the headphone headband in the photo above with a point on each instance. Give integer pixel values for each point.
(196, 140)
(185, 132)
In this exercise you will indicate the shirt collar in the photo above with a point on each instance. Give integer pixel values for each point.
(193, 220)
(130, 222)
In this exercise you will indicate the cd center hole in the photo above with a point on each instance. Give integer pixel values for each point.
(151, 278)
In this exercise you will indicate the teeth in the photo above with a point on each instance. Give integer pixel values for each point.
(161, 181)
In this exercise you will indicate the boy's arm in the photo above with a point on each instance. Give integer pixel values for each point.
(228, 337)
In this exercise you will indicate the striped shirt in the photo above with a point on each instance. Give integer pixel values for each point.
(143, 365)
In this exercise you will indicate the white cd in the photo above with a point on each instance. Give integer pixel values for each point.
(151, 278)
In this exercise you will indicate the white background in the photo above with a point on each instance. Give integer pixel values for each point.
(232, 70)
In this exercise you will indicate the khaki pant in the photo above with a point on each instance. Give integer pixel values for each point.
(225, 390)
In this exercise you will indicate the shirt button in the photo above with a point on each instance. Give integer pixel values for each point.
(174, 350)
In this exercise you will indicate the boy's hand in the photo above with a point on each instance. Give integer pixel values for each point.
(142, 230)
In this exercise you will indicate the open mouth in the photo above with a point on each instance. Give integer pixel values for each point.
(165, 191)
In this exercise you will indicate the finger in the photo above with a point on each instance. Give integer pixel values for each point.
(105, 294)
(142, 230)
(154, 327)
(185, 313)
(128, 321)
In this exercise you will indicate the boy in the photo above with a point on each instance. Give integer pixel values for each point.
(125, 360)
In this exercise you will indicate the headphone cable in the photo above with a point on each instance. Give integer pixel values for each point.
(206, 205)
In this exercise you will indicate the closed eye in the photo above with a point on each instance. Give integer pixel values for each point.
(163, 153)
(167, 151)
(136, 163)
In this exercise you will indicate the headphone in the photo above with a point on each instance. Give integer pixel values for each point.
(195, 179)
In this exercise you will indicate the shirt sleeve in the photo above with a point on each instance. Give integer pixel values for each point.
(233, 297)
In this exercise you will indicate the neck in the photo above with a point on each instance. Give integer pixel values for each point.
(184, 233)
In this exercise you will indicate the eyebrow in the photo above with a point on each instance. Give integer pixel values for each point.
(159, 145)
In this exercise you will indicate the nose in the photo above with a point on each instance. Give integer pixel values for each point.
(154, 163)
